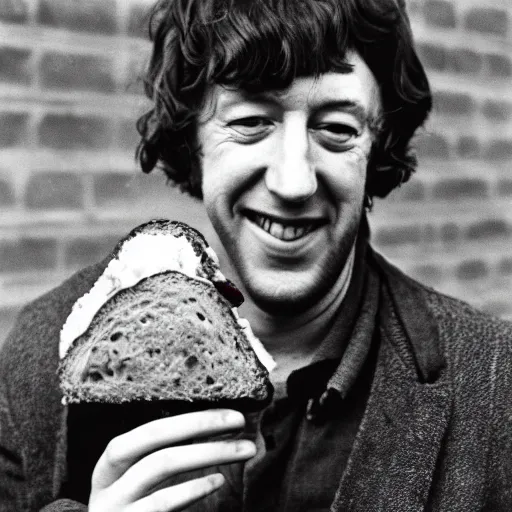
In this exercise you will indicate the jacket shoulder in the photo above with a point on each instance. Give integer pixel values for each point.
(29, 356)
(466, 324)
(458, 326)
(38, 322)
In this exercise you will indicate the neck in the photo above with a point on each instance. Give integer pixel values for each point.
(292, 341)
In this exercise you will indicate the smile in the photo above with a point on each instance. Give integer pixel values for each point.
(287, 231)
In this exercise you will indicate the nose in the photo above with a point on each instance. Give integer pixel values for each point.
(291, 175)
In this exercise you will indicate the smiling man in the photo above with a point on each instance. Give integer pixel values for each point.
(287, 117)
(284, 181)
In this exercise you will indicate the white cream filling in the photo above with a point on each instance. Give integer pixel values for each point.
(142, 256)
(261, 352)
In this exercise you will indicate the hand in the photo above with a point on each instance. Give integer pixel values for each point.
(130, 475)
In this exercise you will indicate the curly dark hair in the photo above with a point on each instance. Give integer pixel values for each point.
(265, 44)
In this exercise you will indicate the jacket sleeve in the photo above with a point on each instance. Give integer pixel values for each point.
(13, 485)
(499, 466)
(12, 479)
(30, 401)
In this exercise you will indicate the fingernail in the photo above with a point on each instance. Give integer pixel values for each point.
(246, 447)
(233, 417)
(216, 480)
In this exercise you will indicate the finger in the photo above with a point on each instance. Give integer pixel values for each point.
(179, 496)
(125, 450)
(149, 472)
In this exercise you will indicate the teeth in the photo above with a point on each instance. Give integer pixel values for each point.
(299, 232)
(289, 233)
(280, 231)
(277, 230)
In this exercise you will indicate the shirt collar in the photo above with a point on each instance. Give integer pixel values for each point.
(339, 359)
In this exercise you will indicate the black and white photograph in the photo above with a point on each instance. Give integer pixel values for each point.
(256, 255)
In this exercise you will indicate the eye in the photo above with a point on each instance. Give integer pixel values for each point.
(335, 136)
(338, 131)
(251, 126)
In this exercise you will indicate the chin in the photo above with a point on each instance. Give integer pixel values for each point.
(286, 302)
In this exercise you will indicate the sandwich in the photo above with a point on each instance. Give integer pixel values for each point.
(157, 335)
(160, 325)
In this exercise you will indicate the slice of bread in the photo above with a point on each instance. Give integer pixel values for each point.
(170, 337)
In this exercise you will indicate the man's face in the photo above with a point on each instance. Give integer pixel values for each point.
(284, 180)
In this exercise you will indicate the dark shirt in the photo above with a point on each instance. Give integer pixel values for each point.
(305, 436)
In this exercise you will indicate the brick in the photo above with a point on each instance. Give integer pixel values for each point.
(28, 254)
(54, 191)
(66, 131)
(433, 56)
(500, 149)
(487, 229)
(499, 65)
(114, 187)
(505, 187)
(135, 73)
(7, 194)
(97, 16)
(462, 188)
(472, 269)
(398, 235)
(414, 7)
(412, 191)
(128, 136)
(134, 84)
(439, 13)
(449, 232)
(15, 65)
(497, 110)
(138, 21)
(432, 145)
(13, 128)
(428, 273)
(505, 266)
(452, 103)
(86, 72)
(497, 308)
(468, 147)
(81, 252)
(464, 61)
(487, 20)
(14, 11)
(429, 234)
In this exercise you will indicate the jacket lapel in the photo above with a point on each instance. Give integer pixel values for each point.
(393, 459)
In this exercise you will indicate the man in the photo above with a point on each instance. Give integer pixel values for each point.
(287, 117)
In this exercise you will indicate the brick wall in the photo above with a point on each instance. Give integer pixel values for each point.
(451, 225)
(69, 186)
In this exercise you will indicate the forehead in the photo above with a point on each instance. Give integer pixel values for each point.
(356, 90)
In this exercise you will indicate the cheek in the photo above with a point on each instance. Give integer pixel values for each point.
(229, 169)
(214, 170)
(345, 175)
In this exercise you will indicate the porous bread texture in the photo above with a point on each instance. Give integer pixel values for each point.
(169, 337)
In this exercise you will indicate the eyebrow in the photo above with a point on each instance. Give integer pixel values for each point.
(241, 95)
(352, 107)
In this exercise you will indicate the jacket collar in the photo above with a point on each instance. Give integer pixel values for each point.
(392, 463)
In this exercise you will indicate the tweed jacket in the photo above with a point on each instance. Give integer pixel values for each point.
(436, 434)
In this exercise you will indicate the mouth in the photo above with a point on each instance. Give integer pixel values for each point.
(286, 230)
